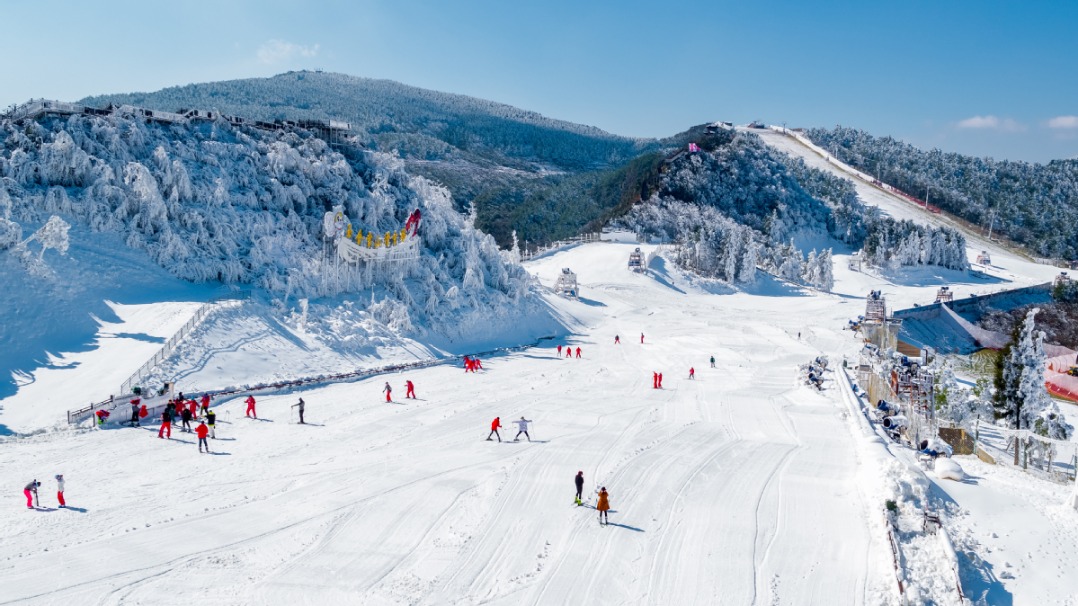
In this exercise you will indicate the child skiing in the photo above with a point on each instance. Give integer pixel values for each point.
(31, 493)
(494, 425)
(300, 405)
(60, 490)
(202, 431)
(211, 422)
(389, 392)
(409, 390)
(166, 423)
(250, 407)
(522, 426)
(603, 506)
(579, 480)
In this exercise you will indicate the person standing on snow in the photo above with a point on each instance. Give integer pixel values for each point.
(409, 390)
(166, 423)
(579, 480)
(205, 403)
(569, 352)
(193, 407)
(389, 392)
(578, 352)
(660, 380)
(617, 340)
(654, 380)
(211, 422)
(713, 361)
(202, 431)
(60, 489)
(300, 405)
(31, 493)
(559, 351)
(522, 426)
(603, 506)
(692, 372)
(134, 412)
(185, 417)
(250, 407)
(641, 338)
(494, 425)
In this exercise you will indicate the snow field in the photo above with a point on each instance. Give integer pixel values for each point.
(732, 487)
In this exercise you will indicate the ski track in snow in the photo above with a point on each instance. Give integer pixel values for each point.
(739, 487)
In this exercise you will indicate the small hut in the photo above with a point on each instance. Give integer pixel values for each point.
(566, 285)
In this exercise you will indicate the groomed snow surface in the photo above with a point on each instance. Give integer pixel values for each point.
(741, 486)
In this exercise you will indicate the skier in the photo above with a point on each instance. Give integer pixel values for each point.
(494, 425)
(617, 340)
(60, 490)
(641, 338)
(468, 363)
(522, 426)
(143, 413)
(603, 506)
(166, 422)
(202, 431)
(205, 403)
(185, 417)
(568, 352)
(134, 412)
(193, 406)
(211, 422)
(654, 380)
(713, 361)
(477, 364)
(579, 479)
(250, 407)
(101, 416)
(692, 372)
(559, 351)
(577, 352)
(31, 488)
(300, 405)
(389, 392)
(409, 390)
(660, 380)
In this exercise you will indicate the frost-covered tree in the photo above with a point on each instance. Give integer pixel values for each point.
(52, 235)
(1021, 395)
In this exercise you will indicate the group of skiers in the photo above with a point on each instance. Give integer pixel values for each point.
(409, 388)
(522, 426)
(603, 503)
(568, 351)
(472, 364)
(31, 492)
(187, 410)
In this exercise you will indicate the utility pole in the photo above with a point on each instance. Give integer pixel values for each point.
(991, 222)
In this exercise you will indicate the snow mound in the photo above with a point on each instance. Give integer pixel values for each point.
(948, 469)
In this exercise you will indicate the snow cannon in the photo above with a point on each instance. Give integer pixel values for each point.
(896, 422)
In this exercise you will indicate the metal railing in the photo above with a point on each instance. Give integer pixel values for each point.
(166, 350)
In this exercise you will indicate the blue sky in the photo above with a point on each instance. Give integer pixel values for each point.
(981, 77)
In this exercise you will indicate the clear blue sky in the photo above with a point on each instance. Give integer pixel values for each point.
(981, 77)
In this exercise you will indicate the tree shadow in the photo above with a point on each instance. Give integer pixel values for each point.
(136, 336)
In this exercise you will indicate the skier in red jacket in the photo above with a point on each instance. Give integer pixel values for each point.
(193, 407)
(409, 390)
(578, 352)
(202, 431)
(205, 403)
(692, 373)
(250, 407)
(660, 380)
(494, 425)
(654, 380)
(559, 351)
(568, 352)
(641, 338)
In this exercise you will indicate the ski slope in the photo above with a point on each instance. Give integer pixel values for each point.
(741, 486)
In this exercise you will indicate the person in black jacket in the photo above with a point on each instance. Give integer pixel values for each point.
(185, 414)
(579, 487)
(211, 422)
(166, 423)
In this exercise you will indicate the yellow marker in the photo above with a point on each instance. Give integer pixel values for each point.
(348, 234)
(368, 240)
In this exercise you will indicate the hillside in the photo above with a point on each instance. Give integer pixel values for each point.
(1035, 205)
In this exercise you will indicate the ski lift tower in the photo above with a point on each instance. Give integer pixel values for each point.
(636, 261)
(984, 258)
(876, 307)
(566, 285)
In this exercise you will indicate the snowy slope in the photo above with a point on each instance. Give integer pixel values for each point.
(741, 486)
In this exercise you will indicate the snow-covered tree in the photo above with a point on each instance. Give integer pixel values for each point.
(52, 235)
(1021, 395)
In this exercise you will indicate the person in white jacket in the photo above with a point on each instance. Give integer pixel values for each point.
(60, 489)
(522, 425)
